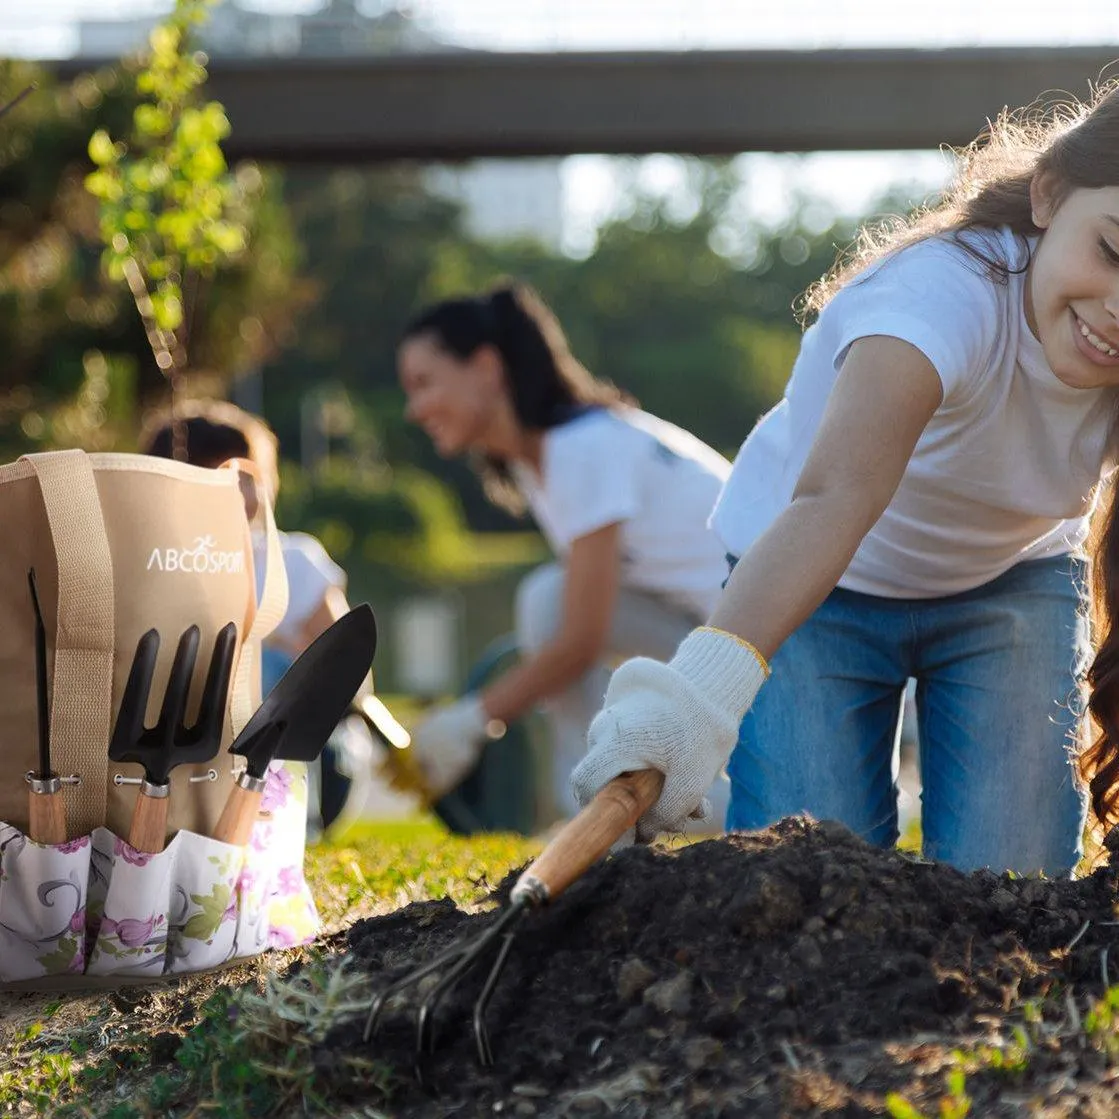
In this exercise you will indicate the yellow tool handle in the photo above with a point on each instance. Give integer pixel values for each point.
(235, 824)
(148, 828)
(582, 842)
(47, 817)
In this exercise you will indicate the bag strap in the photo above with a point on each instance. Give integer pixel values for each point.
(270, 610)
(82, 684)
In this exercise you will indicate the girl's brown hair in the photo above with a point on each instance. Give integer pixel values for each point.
(1077, 146)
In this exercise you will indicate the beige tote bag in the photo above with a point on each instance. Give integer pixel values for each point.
(121, 544)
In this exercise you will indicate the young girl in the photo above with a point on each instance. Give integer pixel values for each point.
(623, 498)
(916, 506)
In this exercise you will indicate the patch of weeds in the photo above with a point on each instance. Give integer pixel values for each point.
(1011, 1059)
(35, 1078)
(1101, 1024)
(954, 1104)
(254, 1055)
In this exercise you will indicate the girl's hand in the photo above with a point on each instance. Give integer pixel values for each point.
(447, 745)
(681, 718)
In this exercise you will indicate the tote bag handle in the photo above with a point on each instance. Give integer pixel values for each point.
(82, 681)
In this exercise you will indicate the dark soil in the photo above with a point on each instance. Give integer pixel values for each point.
(795, 971)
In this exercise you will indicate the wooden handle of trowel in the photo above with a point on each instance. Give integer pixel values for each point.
(582, 842)
(46, 817)
(235, 824)
(148, 828)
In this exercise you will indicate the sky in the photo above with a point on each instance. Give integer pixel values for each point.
(46, 28)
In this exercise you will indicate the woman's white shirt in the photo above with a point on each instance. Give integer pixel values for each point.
(658, 481)
(1006, 469)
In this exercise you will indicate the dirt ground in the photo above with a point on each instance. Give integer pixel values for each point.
(795, 971)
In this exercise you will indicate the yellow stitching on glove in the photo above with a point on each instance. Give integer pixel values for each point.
(741, 641)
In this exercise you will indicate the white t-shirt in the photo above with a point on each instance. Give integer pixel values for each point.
(659, 481)
(311, 573)
(1004, 472)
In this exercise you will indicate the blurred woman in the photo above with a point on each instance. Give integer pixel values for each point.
(621, 496)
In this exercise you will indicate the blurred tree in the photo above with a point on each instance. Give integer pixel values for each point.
(699, 337)
(77, 364)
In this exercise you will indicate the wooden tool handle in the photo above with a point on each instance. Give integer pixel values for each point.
(582, 842)
(149, 824)
(47, 816)
(235, 824)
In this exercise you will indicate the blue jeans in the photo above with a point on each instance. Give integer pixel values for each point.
(1000, 704)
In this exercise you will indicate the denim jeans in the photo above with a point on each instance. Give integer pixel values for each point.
(1000, 703)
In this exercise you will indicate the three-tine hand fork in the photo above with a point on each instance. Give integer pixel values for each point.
(579, 844)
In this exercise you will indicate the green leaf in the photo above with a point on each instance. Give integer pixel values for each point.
(101, 148)
(167, 309)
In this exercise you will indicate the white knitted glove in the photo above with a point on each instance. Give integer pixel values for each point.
(448, 744)
(681, 718)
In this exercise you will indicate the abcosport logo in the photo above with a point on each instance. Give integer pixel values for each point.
(202, 559)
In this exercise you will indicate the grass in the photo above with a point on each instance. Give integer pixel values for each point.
(237, 1044)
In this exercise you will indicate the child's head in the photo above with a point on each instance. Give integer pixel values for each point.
(213, 432)
(1019, 173)
(470, 367)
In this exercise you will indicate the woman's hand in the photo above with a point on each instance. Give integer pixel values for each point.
(447, 745)
(680, 718)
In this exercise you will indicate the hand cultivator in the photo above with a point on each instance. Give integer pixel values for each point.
(579, 845)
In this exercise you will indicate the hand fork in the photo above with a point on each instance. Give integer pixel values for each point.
(579, 844)
(170, 742)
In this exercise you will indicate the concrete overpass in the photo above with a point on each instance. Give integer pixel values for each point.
(469, 104)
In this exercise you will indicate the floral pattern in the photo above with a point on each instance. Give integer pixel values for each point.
(95, 905)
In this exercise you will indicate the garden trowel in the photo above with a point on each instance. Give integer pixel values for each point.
(297, 716)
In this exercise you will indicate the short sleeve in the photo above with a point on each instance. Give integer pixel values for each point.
(933, 295)
(591, 476)
(311, 573)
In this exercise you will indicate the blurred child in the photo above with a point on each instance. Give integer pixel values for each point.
(215, 432)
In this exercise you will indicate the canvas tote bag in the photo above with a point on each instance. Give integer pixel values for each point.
(121, 544)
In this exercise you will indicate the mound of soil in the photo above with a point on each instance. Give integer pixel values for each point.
(792, 971)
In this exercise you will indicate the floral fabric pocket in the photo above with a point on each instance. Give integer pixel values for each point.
(96, 906)
(43, 891)
(129, 900)
(275, 907)
(202, 920)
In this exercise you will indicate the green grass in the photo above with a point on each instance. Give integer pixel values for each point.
(379, 866)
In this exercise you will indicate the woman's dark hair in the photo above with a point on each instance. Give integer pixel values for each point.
(547, 383)
(1076, 143)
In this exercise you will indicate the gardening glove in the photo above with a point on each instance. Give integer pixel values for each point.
(681, 718)
(448, 744)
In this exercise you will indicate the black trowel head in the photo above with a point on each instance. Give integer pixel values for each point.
(298, 715)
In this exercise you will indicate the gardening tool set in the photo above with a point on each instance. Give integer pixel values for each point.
(129, 659)
(292, 724)
(578, 845)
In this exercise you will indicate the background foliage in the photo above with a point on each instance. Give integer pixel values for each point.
(300, 302)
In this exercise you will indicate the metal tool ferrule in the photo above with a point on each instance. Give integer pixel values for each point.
(50, 784)
(250, 783)
(529, 890)
(156, 792)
